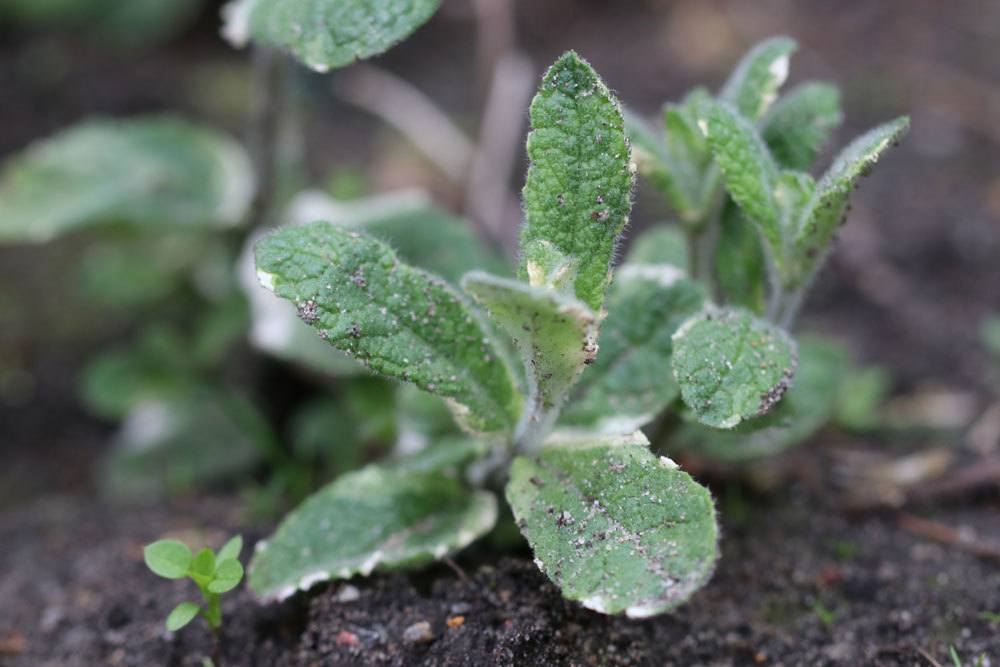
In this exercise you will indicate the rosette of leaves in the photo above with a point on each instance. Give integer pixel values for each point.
(613, 525)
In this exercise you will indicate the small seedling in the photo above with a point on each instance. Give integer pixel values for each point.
(213, 573)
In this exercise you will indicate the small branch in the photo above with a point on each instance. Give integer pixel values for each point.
(411, 113)
(270, 71)
(947, 535)
(488, 200)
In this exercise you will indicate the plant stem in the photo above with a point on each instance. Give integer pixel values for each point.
(270, 70)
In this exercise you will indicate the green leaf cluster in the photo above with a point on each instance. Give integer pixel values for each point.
(214, 573)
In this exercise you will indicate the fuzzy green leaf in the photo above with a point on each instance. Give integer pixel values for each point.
(828, 206)
(731, 366)
(421, 234)
(748, 169)
(631, 382)
(228, 575)
(376, 517)
(800, 123)
(231, 549)
(400, 321)
(181, 615)
(169, 559)
(806, 408)
(662, 244)
(578, 193)
(153, 171)
(555, 335)
(689, 158)
(615, 527)
(753, 85)
(327, 34)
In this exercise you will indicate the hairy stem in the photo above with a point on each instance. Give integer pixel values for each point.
(270, 104)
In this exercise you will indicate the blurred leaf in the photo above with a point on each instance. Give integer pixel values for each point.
(327, 34)
(863, 392)
(662, 244)
(129, 23)
(989, 334)
(149, 172)
(800, 123)
(155, 367)
(171, 446)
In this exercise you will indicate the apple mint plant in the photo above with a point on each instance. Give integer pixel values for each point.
(612, 524)
(214, 573)
(753, 228)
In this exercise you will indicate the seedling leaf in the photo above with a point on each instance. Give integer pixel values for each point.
(731, 366)
(153, 171)
(181, 615)
(555, 335)
(228, 574)
(828, 206)
(398, 320)
(631, 382)
(800, 123)
(578, 192)
(754, 84)
(327, 34)
(169, 559)
(613, 526)
(376, 517)
(230, 549)
(203, 564)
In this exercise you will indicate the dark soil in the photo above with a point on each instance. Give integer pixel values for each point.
(799, 583)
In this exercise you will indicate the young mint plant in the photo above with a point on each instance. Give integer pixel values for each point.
(614, 526)
(213, 573)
